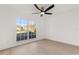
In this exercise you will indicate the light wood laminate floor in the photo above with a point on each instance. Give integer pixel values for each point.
(42, 47)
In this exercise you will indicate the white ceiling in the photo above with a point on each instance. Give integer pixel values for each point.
(29, 8)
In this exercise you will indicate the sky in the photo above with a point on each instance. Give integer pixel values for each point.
(22, 22)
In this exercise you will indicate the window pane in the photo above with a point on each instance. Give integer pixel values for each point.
(18, 37)
(33, 36)
(18, 29)
(32, 29)
(21, 29)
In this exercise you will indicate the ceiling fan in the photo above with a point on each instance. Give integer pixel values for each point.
(43, 11)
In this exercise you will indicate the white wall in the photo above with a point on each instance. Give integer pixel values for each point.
(8, 16)
(64, 27)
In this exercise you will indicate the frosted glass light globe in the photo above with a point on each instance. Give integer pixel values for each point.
(42, 13)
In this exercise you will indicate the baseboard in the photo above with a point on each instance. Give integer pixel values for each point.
(28, 41)
(64, 42)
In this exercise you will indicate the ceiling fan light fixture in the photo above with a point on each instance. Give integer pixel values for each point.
(42, 13)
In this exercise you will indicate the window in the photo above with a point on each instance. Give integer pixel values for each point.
(32, 30)
(26, 29)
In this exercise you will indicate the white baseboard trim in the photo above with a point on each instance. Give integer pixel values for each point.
(64, 42)
(26, 42)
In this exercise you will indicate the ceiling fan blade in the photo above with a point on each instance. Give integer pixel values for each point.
(37, 7)
(35, 13)
(48, 13)
(49, 8)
